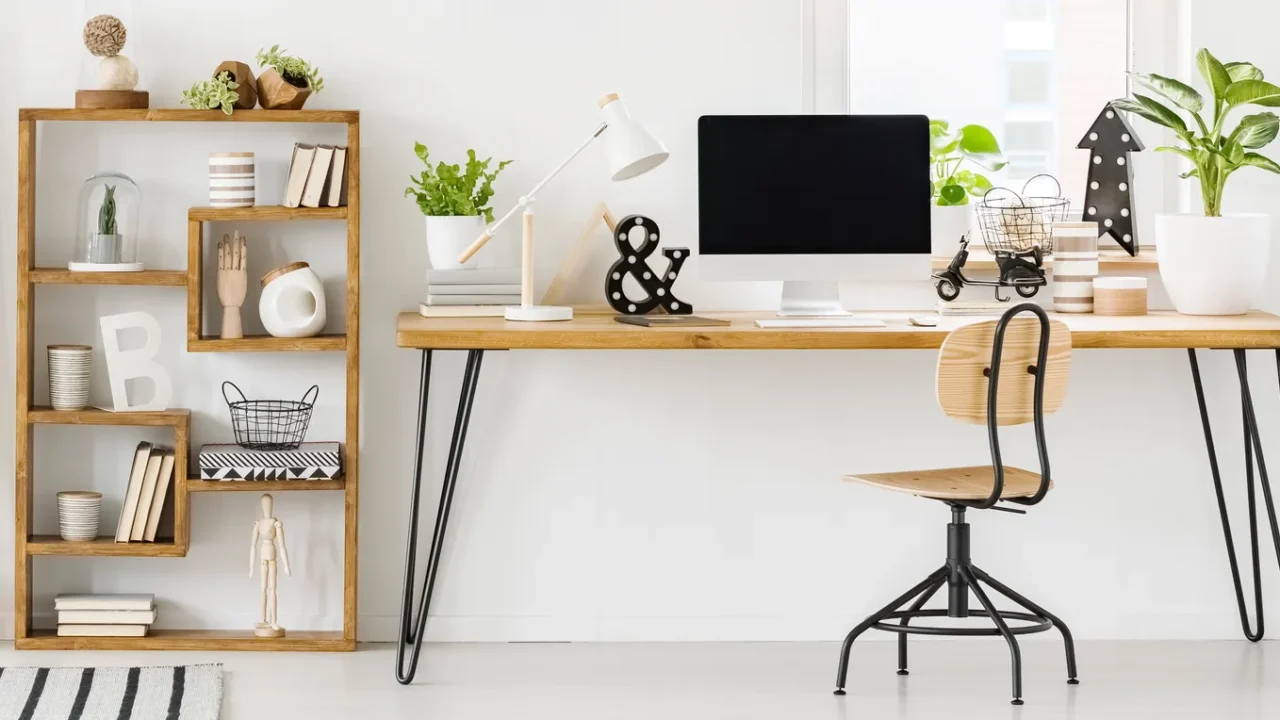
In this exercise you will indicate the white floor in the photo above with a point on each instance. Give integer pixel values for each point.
(778, 681)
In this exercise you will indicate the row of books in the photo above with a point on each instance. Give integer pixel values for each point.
(317, 177)
(149, 481)
(471, 292)
(104, 615)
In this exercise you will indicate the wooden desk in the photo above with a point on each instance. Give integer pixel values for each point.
(1257, 330)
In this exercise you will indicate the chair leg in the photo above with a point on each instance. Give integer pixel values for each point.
(843, 672)
(1002, 626)
(902, 637)
(1036, 609)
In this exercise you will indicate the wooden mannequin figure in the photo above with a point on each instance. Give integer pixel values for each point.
(268, 533)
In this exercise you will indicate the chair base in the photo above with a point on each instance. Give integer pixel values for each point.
(961, 577)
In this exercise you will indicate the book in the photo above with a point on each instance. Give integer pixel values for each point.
(318, 178)
(102, 631)
(299, 168)
(133, 491)
(959, 308)
(308, 461)
(106, 617)
(503, 289)
(433, 299)
(474, 276)
(157, 500)
(91, 601)
(337, 194)
(448, 311)
(146, 495)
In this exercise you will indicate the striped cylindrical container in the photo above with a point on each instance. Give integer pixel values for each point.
(1075, 265)
(231, 180)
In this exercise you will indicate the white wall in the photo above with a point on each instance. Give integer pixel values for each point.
(603, 495)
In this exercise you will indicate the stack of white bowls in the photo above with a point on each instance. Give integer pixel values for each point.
(69, 376)
(78, 514)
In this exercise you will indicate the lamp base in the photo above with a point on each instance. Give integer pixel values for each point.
(538, 313)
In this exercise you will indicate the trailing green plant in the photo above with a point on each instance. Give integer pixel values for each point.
(107, 213)
(1215, 153)
(294, 70)
(451, 190)
(948, 149)
(212, 94)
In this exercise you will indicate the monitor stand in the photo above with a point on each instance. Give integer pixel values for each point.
(811, 299)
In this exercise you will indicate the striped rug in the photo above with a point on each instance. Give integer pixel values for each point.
(186, 692)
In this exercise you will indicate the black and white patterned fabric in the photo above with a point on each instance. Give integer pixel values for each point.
(310, 461)
(186, 692)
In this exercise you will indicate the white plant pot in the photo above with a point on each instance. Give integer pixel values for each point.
(447, 237)
(1213, 265)
(947, 225)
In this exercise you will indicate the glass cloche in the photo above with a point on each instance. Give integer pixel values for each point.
(110, 207)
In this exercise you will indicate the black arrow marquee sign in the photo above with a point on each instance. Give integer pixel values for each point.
(1108, 200)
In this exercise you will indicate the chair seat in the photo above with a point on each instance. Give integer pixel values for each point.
(962, 483)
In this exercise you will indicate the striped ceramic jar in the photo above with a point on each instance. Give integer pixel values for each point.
(1075, 265)
(231, 182)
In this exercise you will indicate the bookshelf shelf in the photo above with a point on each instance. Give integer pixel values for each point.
(104, 546)
(29, 545)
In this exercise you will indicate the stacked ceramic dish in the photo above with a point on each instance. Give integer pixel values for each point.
(78, 513)
(69, 376)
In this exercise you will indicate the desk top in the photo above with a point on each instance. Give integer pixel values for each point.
(589, 331)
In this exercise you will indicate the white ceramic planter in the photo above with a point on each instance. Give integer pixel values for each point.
(1213, 265)
(292, 302)
(447, 237)
(947, 225)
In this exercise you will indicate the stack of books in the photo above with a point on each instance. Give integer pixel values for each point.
(144, 496)
(317, 177)
(104, 615)
(968, 308)
(479, 292)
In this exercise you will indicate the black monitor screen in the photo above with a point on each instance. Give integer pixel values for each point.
(813, 184)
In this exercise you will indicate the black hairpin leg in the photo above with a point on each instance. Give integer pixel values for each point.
(1252, 448)
(409, 638)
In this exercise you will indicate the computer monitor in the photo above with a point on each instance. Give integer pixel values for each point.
(812, 200)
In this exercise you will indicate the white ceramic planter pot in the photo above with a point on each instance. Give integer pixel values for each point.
(447, 237)
(292, 302)
(1213, 265)
(947, 225)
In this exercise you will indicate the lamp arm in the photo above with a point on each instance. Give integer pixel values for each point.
(527, 199)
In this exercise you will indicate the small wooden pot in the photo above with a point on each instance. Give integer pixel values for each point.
(1119, 296)
(247, 85)
(275, 93)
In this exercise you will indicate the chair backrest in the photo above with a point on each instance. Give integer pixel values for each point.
(966, 356)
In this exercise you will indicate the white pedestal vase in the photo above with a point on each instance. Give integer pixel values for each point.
(447, 237)
(1213, 265)
(947, 225)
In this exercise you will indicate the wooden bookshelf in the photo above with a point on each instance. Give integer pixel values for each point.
(28, 415)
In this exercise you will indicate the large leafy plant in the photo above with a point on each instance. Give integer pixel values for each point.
(107, 213)
(1214, 152)
(212, 94)
(452, 190)
(949, 149)
(294, 70)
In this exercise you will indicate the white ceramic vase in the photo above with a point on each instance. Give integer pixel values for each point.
(1213, 265)
(447, 237)
(947, 225)
(292, 302)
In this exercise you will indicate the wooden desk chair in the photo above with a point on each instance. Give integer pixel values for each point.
(1009, 371)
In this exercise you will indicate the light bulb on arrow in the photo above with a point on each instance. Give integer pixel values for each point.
(1108, 200)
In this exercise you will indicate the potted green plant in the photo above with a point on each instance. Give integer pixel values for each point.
(1214, 263)
(217, 93)
(104, 245)
(950, 213)
(455, 201)
(288, 82)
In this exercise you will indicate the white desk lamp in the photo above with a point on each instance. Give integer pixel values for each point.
(632, 151)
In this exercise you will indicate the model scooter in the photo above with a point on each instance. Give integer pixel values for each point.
(1023, 271)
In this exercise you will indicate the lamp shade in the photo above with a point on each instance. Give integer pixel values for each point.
(630, 148)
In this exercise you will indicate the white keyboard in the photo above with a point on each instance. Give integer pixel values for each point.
(821, 322)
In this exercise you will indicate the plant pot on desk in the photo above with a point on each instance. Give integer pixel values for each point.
(449, 236)
(1213, 265)
(948, 223)
(276, 93)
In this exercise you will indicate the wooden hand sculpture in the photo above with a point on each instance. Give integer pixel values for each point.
(233, 282)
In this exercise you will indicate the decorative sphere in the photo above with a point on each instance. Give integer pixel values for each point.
(105, 35)
(117, 72)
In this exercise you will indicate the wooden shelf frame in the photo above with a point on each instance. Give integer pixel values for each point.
(28, 416)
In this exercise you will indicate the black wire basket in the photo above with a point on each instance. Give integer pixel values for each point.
(270, 424)
(1013, 223)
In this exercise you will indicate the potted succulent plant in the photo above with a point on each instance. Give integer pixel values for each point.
(288, 82)
(216, 93)
(455, 202)
(951, 215)
(1215, 263)
(104, 245)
